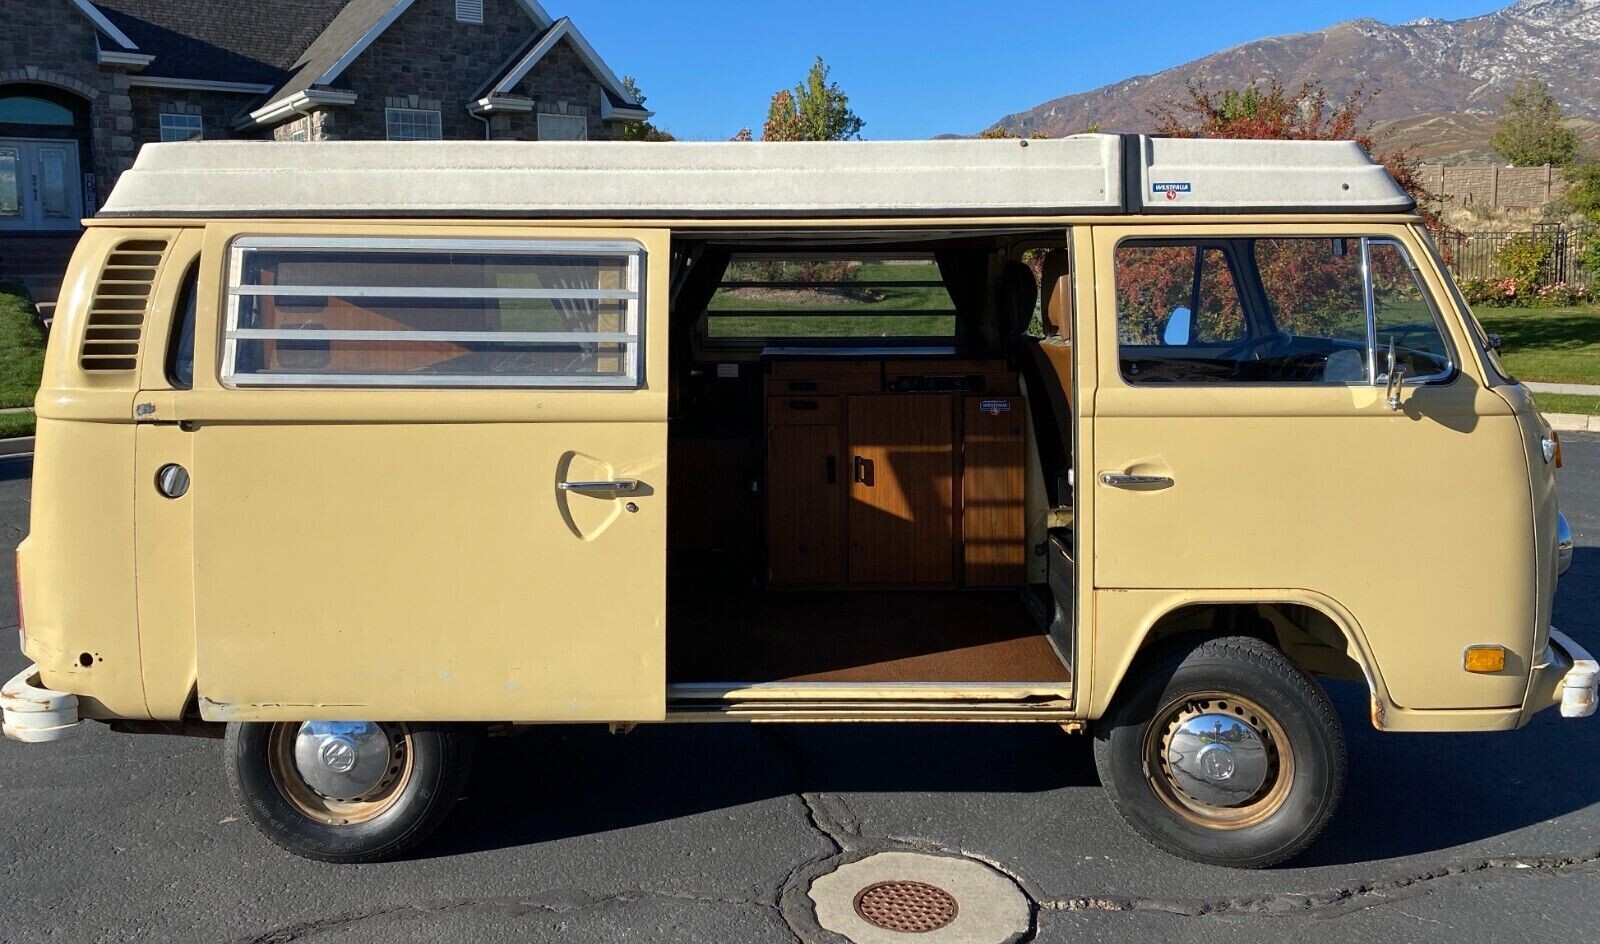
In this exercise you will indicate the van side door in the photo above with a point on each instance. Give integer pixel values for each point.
(1248, 444)
(428, 473)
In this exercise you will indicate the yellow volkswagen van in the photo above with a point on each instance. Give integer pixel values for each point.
(350, 450)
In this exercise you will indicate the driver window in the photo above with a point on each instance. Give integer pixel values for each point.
(1271, 310)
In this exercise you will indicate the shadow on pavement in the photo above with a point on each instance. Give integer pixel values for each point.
(1406, 794)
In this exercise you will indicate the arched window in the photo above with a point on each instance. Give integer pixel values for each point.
(27, 110)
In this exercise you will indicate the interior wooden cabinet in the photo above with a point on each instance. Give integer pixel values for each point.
(894, 472)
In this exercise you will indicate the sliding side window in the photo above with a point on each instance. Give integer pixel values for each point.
(433, 313)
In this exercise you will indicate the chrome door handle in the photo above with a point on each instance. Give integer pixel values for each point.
(1128, 480)
(615, 485)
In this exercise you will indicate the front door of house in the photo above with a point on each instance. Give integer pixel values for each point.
(39, 185)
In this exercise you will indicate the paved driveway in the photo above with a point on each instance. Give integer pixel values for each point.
(690, 832)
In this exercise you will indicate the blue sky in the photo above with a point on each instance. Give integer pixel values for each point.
(916, 69)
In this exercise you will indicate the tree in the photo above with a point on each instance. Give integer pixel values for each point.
(816, 110)
(1306, 114)
(1531, 132)
(1583, 189)
(641, 130)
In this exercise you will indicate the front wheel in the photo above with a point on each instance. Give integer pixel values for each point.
(347, 791)
(1225, 753)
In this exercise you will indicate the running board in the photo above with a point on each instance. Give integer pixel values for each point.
(854, 701)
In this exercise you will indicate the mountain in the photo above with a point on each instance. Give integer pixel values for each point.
(1437, 81)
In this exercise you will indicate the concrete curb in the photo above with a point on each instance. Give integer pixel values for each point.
(23, 446)
(1573, 422)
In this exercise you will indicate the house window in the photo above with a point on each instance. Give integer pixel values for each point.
(563, 128)
(181, 127)
(383, 312)
(300, 134)
(413, 124)
(469, 11)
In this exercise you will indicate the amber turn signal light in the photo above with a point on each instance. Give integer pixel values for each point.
(1485, 659)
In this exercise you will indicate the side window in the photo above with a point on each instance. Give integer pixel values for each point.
(1314, 287)
(1297, 310)
(180, 347)
(1404, 316)
(1176, 295)
(433, 313)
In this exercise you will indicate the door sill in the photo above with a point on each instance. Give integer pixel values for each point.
(870, 701)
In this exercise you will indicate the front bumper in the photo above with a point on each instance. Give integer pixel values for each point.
(35, 714)
(1566, 676)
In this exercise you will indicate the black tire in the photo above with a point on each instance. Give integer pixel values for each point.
(440, 759)
(1308, 784)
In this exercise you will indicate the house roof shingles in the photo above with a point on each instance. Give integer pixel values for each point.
(237, 41)
(342, 33)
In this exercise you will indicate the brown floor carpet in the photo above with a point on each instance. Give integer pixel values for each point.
(855, 636)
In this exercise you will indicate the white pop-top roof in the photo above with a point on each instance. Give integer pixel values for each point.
(1092, 173)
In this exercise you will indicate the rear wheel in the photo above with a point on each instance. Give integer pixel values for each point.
(347, 791)
(1225, 753)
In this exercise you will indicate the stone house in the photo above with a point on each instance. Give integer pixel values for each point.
(84, 83)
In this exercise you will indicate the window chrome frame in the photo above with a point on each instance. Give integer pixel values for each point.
(1452, 361)
(632, 338)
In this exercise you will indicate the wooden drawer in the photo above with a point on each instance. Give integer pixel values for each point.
(824, 377)
(802, 411)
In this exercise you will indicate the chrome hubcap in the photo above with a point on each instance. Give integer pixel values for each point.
(1217, 759)
(341, 760)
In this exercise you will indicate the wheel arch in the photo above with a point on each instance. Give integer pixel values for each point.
(1311, 629)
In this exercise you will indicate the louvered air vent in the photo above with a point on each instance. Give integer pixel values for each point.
(117, 311)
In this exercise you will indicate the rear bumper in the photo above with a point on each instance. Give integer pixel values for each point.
(1566, 676)
(34, 714)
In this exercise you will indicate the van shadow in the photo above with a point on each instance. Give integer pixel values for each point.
(1406, 794)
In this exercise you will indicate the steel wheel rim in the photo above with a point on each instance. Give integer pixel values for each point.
(1262, 803)
(328, 810)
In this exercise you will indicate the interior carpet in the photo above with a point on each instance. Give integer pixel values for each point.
(722, 635)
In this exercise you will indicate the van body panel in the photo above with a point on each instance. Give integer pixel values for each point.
(407, 554)
(1395, 515)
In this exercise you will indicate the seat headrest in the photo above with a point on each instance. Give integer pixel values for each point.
(1016, 294)
(1056, 285)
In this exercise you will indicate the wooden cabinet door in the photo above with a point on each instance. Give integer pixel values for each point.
(993, 538)
(902, 462)
(805, 513)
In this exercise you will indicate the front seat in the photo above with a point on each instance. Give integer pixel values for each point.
(1045, 365)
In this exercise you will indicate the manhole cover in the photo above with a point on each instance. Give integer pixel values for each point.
(907, 907)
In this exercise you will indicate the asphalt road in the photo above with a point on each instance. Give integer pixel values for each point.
(691, 832)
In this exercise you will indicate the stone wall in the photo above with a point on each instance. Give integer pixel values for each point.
(218, 111)
(427, 53)
(1504, 188)
(53, 44)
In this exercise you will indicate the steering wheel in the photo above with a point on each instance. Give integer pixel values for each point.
(1260, 348)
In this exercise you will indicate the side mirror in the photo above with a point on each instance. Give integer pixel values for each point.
(1494, 343)
(1178, 327)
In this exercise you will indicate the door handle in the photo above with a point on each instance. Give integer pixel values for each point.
(862, 471)
(1129, 480)
(614, 485)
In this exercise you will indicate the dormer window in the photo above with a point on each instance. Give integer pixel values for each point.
(469, 11)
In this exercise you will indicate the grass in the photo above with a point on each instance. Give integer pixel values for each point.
(869, 323)
(1567, 403)
(16, 424)
(1549, 345)
(21, 348)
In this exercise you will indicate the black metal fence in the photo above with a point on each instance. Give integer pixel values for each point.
(1477, 255)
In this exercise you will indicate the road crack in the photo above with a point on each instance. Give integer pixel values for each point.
(1332, 902)
(514, 906)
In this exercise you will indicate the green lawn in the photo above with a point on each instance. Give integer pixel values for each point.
(21, 348)
(1552, 345)
(1567, 403)
(858, 317)
(16, 424)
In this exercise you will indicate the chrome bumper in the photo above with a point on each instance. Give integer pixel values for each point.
(1580, 675)
(1563, 545)
(34, 714)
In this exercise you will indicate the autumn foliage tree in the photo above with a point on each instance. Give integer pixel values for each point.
(1274, 112)
(641, 130)
(816, 110)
